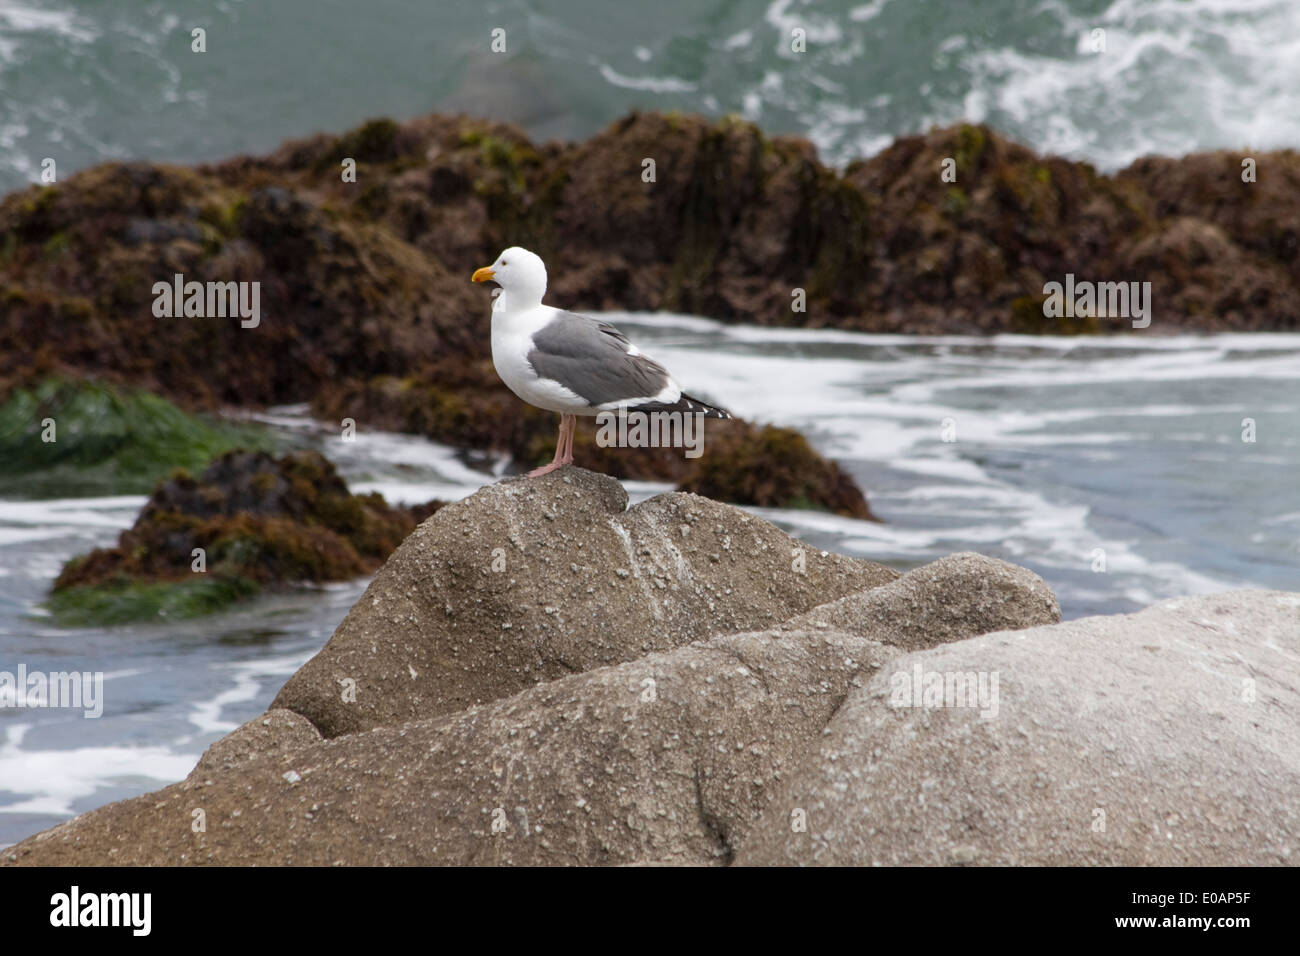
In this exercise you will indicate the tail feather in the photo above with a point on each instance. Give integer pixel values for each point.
(688, 405)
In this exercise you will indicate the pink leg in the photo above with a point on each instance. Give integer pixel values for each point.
(567, 458)
(563, 447)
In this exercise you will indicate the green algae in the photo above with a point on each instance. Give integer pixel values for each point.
(125, 602)
(65, 438)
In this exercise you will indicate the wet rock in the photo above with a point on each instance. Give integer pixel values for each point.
(249, 520)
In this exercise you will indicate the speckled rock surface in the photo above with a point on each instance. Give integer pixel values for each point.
(668, 758)
(532, 579)
(665, 759)
(950, 599)
(1167, 737)
(276, 731)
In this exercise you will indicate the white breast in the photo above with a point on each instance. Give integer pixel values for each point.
(511, 342)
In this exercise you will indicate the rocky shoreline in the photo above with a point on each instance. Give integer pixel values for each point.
(363, 320)
(370, 315)
(541, 675)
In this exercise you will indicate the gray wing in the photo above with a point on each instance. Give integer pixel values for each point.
(590, 358)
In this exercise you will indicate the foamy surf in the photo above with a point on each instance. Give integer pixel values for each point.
(1054, 441)
(1212, 74)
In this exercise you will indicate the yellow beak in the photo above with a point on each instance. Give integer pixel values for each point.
(482, 275)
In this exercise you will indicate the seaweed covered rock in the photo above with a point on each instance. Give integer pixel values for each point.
(368, 311)
(735, 220)
(1224, 250)
(337, 295)
(66, 438)
(464, 404)
(773, 467)
(957, 255)
(247, 521)
(368, 278)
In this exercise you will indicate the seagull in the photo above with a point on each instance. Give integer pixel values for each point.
(569, 363)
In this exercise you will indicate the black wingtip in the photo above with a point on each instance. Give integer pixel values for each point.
(687, 404)
(692, 404)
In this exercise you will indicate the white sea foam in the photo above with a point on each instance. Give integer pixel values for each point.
(1176, 76)
(248, 679)
(27, 522)
(18, 18)
(653, 84)
(885, 399)
(51, 781)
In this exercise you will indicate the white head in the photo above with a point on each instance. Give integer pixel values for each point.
(521, 275)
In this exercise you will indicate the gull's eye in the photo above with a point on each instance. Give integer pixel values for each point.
(503, 262)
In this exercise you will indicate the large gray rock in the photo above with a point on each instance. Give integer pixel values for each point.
(669, 758)
(1167, 737)
(664, 759)
(530, 580)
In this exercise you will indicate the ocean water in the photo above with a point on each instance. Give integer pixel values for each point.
(83, 81)
(1113, 467)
